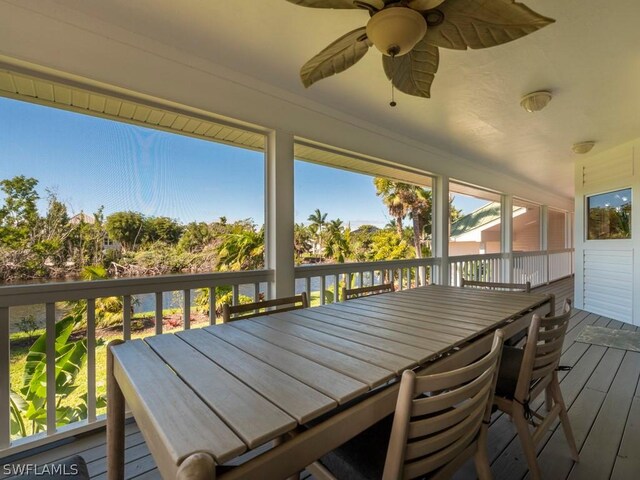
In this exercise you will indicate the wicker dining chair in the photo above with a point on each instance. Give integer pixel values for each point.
(350, 293)
(265, 307)
(431, 434)
(527, 372)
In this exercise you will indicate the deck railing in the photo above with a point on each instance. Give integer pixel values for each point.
(322, 282)
(319, 281)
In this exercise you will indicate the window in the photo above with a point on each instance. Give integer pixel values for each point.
(526, 226)
(476, 222)
(556, 230)
(609, 215)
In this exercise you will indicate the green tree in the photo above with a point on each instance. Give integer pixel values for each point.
(162, 229)
(337, 245)
(19, 213)
(393, 196)
(302, 237)
(127, 228)
(195, 237)
(386, 245)
(242, 249)
(318, 221)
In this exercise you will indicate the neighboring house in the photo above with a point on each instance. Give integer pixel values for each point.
(479, 231)
(107, 243)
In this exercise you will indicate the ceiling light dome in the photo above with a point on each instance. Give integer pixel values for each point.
(536, 101)
(396, 30)
(582, 148)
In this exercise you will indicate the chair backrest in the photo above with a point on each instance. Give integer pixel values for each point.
(432, 431)
(542, 351)
(521, 287)
(349, 293)
(266, 307)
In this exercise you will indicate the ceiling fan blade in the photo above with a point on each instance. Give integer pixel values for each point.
(424, 4)
(337, 57)
(414, 72)
(484, 23)
(377, 4)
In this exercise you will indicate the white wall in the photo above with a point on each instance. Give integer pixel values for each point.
(608, 271)
(80, 47)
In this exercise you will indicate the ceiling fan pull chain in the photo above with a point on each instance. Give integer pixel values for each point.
(393, 89)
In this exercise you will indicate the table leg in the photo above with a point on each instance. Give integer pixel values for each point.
(279, 441)
(115, 421)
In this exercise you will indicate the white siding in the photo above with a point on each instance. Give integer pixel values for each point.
(608, 283)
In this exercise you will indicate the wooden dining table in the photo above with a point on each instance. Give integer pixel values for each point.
(304, 381)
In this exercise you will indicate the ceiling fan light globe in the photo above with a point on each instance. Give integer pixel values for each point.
(582, 148)
(395, 31)
(536, 101)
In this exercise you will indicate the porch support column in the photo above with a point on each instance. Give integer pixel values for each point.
(280, 213)
(544, 239)
(441, 215)
(506, 236)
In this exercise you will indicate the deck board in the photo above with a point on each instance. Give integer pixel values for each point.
(601, 391)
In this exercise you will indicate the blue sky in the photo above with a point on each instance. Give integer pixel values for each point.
(89, 162)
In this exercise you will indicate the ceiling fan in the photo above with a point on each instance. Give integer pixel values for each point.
(409, 33)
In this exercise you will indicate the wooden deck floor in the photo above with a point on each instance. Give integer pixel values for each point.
(601, 391)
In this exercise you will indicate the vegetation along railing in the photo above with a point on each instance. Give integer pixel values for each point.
(71, 322)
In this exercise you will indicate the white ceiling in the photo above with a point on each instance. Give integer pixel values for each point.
(589, 58)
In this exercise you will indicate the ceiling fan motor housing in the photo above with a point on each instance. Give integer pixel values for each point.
(396, 30)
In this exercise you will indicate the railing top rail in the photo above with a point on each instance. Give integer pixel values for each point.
(305, 271)
(38, 293)
(484, 256)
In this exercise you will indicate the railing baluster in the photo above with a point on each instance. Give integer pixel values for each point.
(307, 287)
(336, 288)
(91, 360)
(50, 359)
(186, 312)
(126, 317)
(236, 295)
(159, 316)
(372, 277)
(322, 288)
(5, 384)
(409, 277)
(256, 292)
(212, 305)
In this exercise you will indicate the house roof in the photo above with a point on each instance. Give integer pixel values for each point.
(476, 219)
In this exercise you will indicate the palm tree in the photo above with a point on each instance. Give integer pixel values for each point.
(241, 250)
(393, 194)
(318, 221)
(337, 244)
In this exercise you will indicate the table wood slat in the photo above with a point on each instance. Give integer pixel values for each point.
(333, 384)
(365, 372)
(446, 307)
(179, 416)
(386, 360)
(400, 321)
(294, 397)
(417, 354)
(434, 342)
(252, 417)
